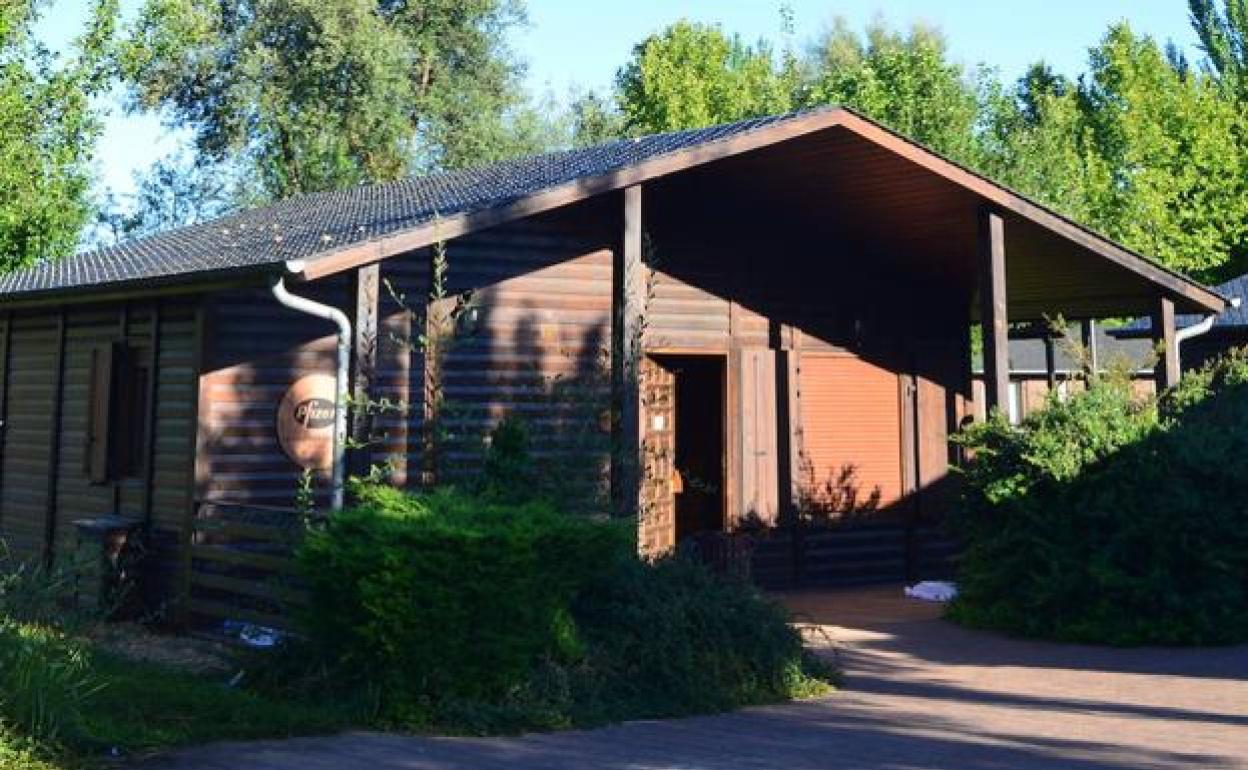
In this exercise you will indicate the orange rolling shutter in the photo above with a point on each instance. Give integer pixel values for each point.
(851, 431)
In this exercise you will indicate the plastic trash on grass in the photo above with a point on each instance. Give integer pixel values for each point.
(252, 634)
(932, 591)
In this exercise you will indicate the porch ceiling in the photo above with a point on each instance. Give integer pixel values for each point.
(882, 211)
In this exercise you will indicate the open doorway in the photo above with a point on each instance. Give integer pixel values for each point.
(698, 433)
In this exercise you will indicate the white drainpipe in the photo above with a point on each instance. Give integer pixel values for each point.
(1195, 330)
(329, 313)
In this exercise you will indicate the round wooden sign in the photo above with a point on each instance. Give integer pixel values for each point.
(305, 422)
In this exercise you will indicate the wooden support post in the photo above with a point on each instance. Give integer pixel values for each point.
(993, 314)
(54, 442)
(1050, 361)
(781, 338)
(5, 362)
(153, 393)
(1166, 371)
(366, 291)
(1088, 328)
(630, 300)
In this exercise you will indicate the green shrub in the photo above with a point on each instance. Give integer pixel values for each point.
(465, 613)
(672, 639)
(445, 596)
(1108, 519)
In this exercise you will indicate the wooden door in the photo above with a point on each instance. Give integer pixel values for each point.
(852, 434)
(759, 480)
(657, 518)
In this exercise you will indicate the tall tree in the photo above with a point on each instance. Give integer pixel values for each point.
(692, 75)
(904, 80)
(1224, 39)
(48, 130)
(1176, 154)
(322, 94)
(175, 192)
(1036, 139)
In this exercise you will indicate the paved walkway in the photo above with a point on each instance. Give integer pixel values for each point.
(920, 695)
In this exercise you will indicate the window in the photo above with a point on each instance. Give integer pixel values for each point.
(116, 414)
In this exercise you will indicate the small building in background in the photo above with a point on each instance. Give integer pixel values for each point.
(1228, 330)
(1041, 362)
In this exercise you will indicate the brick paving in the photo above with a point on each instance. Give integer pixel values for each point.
(920, 694)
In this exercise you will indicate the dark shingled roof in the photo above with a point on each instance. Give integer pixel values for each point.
(1027, 355)
(1232, 317)
(308, 225)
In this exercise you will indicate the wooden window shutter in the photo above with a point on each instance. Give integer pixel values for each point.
(760, 491)
(104, 359)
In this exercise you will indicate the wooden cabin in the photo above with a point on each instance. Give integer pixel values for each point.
(760, 322)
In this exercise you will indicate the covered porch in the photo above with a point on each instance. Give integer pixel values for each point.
(829, 281)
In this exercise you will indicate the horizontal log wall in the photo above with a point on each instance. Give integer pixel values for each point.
(256, 349)
(533, 341)
(44, 486)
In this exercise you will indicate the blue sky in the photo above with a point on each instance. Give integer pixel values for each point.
(581, 42)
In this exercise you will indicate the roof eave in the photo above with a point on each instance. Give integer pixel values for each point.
(1190, 295)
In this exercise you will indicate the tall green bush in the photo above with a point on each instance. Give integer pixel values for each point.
(443, 597)
(1104, 518)
(467, 612)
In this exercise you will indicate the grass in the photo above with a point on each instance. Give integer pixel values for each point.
(147, 707)
(144, 708)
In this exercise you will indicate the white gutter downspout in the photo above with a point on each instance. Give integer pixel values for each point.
(341, 381)
(1195, 330)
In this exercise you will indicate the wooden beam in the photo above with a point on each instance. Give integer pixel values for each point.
(123, 331)
(201, 468)
(54, 439)
(367, 291)
(629, 297)
(1050, 362)
(1166, 371)
(153, 391)
(1088, 332)
(993, 313)
(781, 339)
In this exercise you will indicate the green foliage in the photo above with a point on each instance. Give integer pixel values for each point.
(1224, 39)
(145, 706)
(672, 639)
(1106, 519)
(507, 471)
(1175, 154)
(466, 613)
(693, 75)
(46, 683)
(48, 130)
(446, 597)
(312, 95)
(177, 191)
(905, 81)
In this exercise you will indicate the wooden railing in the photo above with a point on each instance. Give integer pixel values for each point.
(241, 565)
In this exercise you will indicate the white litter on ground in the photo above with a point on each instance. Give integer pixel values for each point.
(932, 591)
